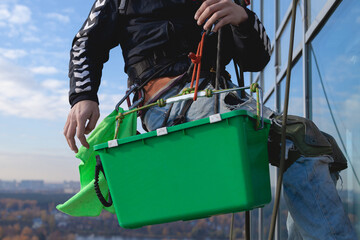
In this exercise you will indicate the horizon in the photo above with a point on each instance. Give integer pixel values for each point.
(45, 181)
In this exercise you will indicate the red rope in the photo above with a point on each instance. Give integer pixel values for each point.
(196, 60)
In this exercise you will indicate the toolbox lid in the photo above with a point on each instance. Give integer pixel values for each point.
(166, 130)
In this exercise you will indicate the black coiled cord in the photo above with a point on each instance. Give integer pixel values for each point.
(99, 168)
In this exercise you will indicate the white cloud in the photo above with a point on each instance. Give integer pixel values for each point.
(58, 17)
(331, 73)
(296, 106)
(53, 84)
(4, 13)
(345, 111)
(31, 38)
(49, 54)
(350, 107)
(109, 101)
(22, 96)
(12, 53)
(44, 70)
(69, 10)
(354, 59)
(20, 15)
(16, 19)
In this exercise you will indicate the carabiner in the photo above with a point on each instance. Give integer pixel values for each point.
(141, 97)
(132, 89)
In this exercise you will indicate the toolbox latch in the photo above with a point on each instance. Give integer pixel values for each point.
(161, 131)
(113, 143)
(215, 118)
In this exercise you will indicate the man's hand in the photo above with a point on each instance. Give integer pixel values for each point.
(223, 11)
(81, 120)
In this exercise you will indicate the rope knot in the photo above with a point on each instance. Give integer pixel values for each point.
(120, 117)
(161, 102)
(253, 87)
(209, 92)
(194, 58)
(187, 91)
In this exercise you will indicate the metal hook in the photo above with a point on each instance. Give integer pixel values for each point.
(130, 90)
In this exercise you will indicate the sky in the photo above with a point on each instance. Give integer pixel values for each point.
(35, 41)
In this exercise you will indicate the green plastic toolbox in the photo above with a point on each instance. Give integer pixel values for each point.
(210, 166)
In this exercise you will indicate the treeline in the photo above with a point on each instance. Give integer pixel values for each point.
(35, 218)
(42, 198)
(19, 220)
(16, 232)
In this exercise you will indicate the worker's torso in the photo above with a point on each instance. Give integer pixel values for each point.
(156, 31)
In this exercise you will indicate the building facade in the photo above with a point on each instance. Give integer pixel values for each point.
(325, 81)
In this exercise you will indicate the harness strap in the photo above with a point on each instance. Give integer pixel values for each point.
(122, 6)
(155, 63)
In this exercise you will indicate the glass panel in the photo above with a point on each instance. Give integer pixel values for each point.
(335, 68)
(298, 25)
(269, 20)
(247, 76)
(284, 40)
(314, 7)
(269, 75)
(270, 103)
(296, 103)
(231, 71)
(256, 7)
(283, 49)
(283, 7)
(254, 228)
(268, 209)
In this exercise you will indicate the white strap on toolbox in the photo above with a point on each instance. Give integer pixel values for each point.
(215, 118)
(113, 143)
(161, 131)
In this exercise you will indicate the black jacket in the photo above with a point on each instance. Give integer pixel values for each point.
(152, 33)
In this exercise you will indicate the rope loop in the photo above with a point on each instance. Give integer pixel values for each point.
(253, 87)
(209, 92)
(161, 102)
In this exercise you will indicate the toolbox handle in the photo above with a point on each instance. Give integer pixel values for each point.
(99, 168)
